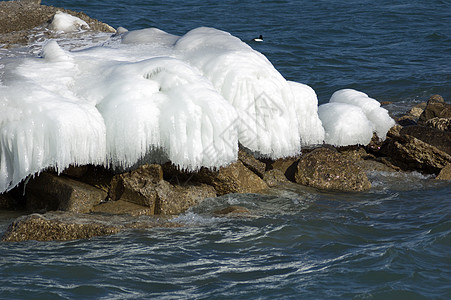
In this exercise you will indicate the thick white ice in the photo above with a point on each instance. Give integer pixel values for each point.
(351, 117)
(149, 96)
(67, 23)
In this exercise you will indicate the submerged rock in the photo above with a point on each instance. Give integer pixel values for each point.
(64, 226)
(325, 168)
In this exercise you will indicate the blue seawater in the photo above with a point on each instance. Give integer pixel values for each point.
(393, 242)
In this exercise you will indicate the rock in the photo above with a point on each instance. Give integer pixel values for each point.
(410, 153)
(173, 200)
(445, 173)
(325, 168)
(439, 139)
(436, 108)
(370, 165)
(76, 171)
(411, 118)
(417, 110)
(137, 186)
(235, 178)
(275, 177)
(233, 210)
(250, 162)
(145, 187)
(286, 165)
(43, 228)
(121, 207)
(64, 226)
(443, 124)
(18, 18)
(50, 192)
(7, 202)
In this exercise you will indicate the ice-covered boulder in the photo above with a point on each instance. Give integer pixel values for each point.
(351, 117)
(149, 96)
(67, 23)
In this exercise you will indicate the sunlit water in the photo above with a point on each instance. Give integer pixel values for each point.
(393, 242)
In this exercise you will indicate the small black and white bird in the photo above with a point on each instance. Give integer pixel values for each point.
(259, 39)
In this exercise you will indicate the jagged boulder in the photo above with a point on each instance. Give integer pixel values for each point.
(145, 187)
(445, 173)
(275, 177)
(325, 168)
(409, 153)
(235, 178)
(434, 137)
(51, 192)
(250, 162)
(286, 165)
(436, 108)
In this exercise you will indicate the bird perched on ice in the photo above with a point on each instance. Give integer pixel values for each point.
(259, 39)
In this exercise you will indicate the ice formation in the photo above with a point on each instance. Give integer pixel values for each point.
(67, 23)
(351, 117)
(148, 96)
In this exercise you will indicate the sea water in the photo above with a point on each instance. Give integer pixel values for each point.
(391, 242)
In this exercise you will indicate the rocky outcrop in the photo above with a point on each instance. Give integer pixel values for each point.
(17, 18)
(63, 226)
(434, 137)
(145, 187)
(325, 168)
(286, 165)
(235, 178)
(250, 162)
(52, 192)
(275, 177)
(410, 153)
(436, 108)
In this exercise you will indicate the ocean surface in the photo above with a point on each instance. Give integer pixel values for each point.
(393, 242)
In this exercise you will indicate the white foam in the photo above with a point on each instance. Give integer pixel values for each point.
(67, 23)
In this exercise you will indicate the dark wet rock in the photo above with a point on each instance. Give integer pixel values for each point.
(436, 108)
(411, 117)
(437, 138)
(275, 177)
(235, 178)
(286, 165)
(445, 173)
(51, 192)
(7, 202)
(64, 226)
(76, 171)
(233, 210)
(17, 18)
(325, 168)
(250, 162)
(410, 153)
